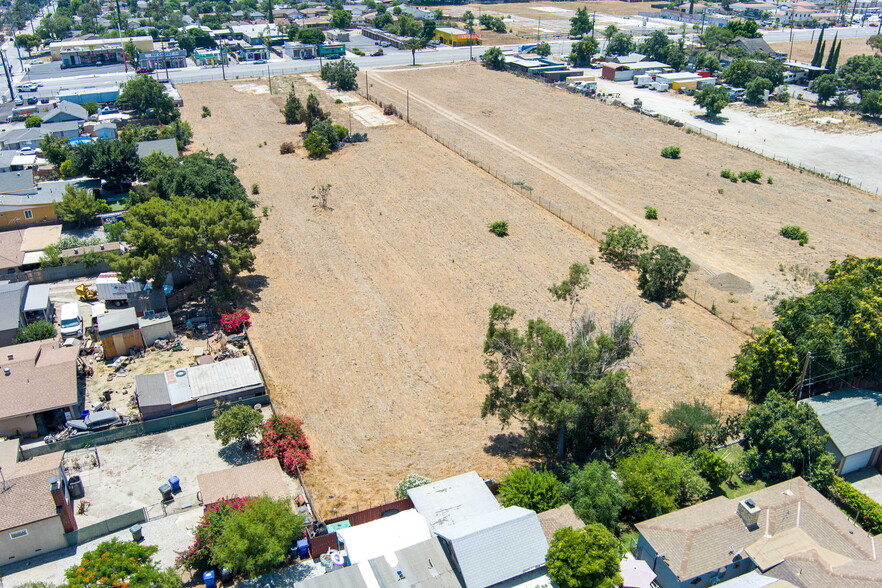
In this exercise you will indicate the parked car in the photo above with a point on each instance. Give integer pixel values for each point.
(96, 421)
(109, 110)
(19, 100)
(33, 100)
(377, 53)
(27, 151)
(259, 61)
(144, 70)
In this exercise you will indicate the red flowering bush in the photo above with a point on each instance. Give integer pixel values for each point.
(197, 557)
(234, 322)
(284, 439)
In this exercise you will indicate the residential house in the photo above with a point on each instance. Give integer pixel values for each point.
(19, 246)
(260, 478)
(418, 13)
(66, 112)
(853, 420)
(105, 130)
(188, 388)
(38, 206)
(488, 544)
(12, 297)
(558, 518)
(35, 509)
(39, 393)
(162, 146)
(784, 533)
(314, 11)
(386, 535)
(17, 138)
(758, 45)
(255, 34)
(63, 129)
(118, 331)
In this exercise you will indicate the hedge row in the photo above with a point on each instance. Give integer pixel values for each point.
(867, 512)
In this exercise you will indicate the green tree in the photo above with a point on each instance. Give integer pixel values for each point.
(256, 539)
(341, 19)
(91, 107)
(818, 56)
(67, 169)
(155, 164)
(581, 24)
(429, 27)
(825, 86)
(713, 99)
(214, 237)
(743, 28)
(662, 272)
(609, 31)
(33, 121)
(708, 62)
(595, 494)
(784, 440)
(563, 388)
(341, 74)
(293, 111)
(583, 51)
(537, 490)
(833, 57)
(756, 89)
(656, 46)
(712, 466)
(410, 481)
(620, 44)
(623, 244)
(316, 145)
(765, 364)
(55, 26)
(492, 59)
(690, 423)
(413, 45)
(199, 175)
(584, 558)
(468, 17)
(871, 103)
(717, 39)
(36, 331)
(875, 42)
(115, 161)
(120, 563)
(655, 483)
(861, 73)
(27, 42)
(55, 149)
(314, 112)
(80, 206)
(237, 423)
(180, 131)
(145, 97)
(543, 49)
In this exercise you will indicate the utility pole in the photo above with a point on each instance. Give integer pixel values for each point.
(121, 46)
(408, 107)
(538, 24)
(223, 60)
(269, 77)
(805, 367)
(8, 78)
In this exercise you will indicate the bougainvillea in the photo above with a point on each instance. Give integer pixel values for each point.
(234, 322)
(197, 557)
(284, 439)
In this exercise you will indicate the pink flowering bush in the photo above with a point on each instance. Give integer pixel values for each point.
(197, 557)
(284, 439)
(233, 322)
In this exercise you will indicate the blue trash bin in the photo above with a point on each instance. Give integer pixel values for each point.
(175, 484)
(303, 549)
(208, 579)
(84, 414)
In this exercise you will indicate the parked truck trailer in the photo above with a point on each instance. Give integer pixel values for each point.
(110, 289)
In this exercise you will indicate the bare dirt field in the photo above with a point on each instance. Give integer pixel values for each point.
(599, 165)
(369, 318)
(805, 50)
(803, 113)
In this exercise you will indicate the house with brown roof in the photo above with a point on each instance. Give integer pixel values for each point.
(558, 518)
(38, 389)
(35, 510)
(786, 533)
(253, 479)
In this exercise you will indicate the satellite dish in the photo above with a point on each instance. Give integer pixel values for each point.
(181, 373)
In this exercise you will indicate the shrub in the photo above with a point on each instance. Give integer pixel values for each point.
(234, 322)
(197, 557)
(91, 107)
(769, 180)
(584, 557)
(729, 175)
(752, 175)
(286, 148)
(662, 272)
(255, 189)
(651, 213)
(623, 243)
(357, 137)
(671, 152)
(33, 121)
(410, 481)
(795, 233)
(206, 112)
(390, 110)
(499, 228)
(284, 439)
(237, 423)
(67, 169)
(536, 490)
(316, 145)
(36, 331)
(865, 511)
(711, 466)
(357, 51)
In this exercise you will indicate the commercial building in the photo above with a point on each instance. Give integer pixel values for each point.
(296, 50)
(456, 37)
(91, 56)
(163, 59)
(56, 48)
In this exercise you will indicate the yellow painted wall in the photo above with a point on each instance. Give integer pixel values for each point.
(451, 40)
(684, 85)
(16, 217)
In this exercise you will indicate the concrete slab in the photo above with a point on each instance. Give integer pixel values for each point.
(868, 481)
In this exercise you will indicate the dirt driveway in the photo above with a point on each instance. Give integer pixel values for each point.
(369, 318)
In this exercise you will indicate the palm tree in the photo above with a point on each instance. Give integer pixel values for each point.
(413, 45)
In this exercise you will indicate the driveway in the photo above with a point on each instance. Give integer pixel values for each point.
(868, 481)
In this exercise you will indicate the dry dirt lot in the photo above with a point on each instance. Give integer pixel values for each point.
(369, 318)
(601, 165)
(805, 50)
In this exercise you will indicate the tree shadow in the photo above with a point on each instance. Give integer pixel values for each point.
(714, 120)
(235, 456)
(508, 445)
(251, 286)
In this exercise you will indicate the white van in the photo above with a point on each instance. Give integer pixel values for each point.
(70, 322)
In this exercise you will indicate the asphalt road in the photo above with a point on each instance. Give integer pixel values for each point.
(809, 34)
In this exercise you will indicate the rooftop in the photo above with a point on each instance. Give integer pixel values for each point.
(852, 417)
(253, 479)
(794, 521)
(116, 320)
(384, 536)
(453, 500)
(163, 146)
(11, 299)
(66, 108)
(42, 377)
(558, 518)
(185, 384)
(37, 297)
(17, 182)
(27, 498)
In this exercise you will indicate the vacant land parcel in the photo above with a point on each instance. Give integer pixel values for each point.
(369, 318)
(601, 165)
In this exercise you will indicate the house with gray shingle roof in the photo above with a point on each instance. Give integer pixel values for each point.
(66, 112)
(853, 420)
(787, 532)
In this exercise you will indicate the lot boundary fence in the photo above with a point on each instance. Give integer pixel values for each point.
(106, 527)
(56, 274)
(696, 288)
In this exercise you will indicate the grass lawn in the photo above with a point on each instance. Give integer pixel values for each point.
(117, 207)
(735, 486)
(628, 538)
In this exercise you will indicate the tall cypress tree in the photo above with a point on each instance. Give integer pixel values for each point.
(819, 51)
(833, 59)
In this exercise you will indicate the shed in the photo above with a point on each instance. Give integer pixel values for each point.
(36, 305)
(118, 331)
(253, 479)
(616, 72)
(105, 130)
(155, 326)
(163, 146)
